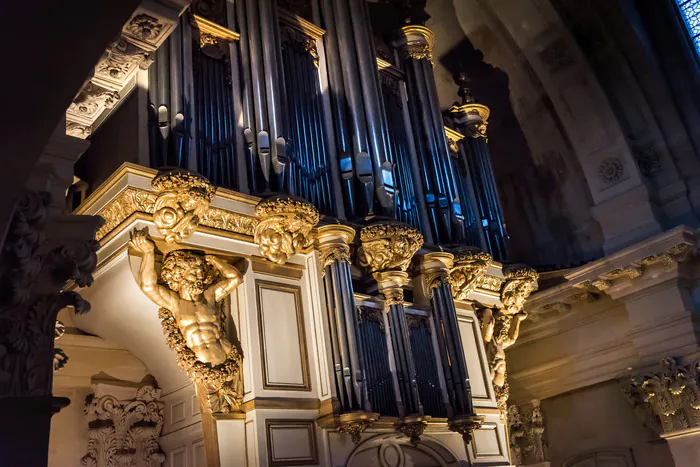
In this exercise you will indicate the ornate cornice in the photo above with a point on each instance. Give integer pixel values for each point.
(284, 227)
(667, 401)
(473, 116)
(435, 268)
(333, 243)
(453, 139)
(212, 33)
(113, 77)
(387, 247)
(417, 42)
(470, 266)
(391, 284)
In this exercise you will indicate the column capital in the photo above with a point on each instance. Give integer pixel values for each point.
(435, 268)
(473, 116)
(391, 284)
(417, 42)
(333, 242)
(387, 247)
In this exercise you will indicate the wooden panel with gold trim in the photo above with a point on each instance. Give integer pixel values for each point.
(291, 442)
(285, 363)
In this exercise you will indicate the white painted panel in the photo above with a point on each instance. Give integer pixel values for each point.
(290, 443)
(250, 442)
(283, 352)
(477, 375)
(178, 458)
(486, 442)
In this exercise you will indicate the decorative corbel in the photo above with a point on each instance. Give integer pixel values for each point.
(470, 266)
(284, 227)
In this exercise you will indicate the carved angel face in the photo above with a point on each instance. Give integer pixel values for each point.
(275, 244)
(187, 273)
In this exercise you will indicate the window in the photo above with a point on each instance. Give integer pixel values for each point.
(690, 12)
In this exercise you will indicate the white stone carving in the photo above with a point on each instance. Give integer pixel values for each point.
(124, 433)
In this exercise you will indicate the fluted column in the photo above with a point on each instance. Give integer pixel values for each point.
(439, 183)
(361, 127)
(472, 119)
(386, 252)
(435, 269)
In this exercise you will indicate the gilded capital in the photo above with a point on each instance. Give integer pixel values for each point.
(473, 116)
(386, 247)
(183, 199)
(417, 42)
(284, 227)
(333, 243)
(470, 266)
(435, 270)
(521, 281)
(466, 425)
(391, 284)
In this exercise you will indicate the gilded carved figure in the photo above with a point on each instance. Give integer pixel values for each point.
(500, 331)
(284, 228)
(191, 318)
(183, 200)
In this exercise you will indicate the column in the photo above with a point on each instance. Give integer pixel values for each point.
(472, 119)
(361, 126)
(386, 252)
(439, 180)
(435, 269)
(333, 243)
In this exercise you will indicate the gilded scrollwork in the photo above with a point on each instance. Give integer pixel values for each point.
(388, 247)
(192, 323)
(470, 267)
(355, 423)
(284, 227)
(128, 202)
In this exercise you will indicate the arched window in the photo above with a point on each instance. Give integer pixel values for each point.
(690, 12)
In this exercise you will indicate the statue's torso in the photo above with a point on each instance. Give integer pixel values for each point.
(199, 324)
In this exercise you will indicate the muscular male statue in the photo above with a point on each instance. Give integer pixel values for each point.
(191, 295)
(500, 331)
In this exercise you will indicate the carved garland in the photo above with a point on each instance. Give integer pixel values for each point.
(223, 382)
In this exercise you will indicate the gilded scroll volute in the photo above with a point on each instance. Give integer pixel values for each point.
(284, 227)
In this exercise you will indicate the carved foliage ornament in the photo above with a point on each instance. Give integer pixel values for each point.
(145, 27)
(35, 266)
(667, 401)
(388, 247)
(121, 59)
(92, 99)
(284, 227)
(465, 426)
(526, 429)
(355, 423)
(521, 281)
(183, 199)
(470, 267)
(124, 433)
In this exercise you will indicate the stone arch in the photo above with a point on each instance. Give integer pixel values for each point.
(395, 450)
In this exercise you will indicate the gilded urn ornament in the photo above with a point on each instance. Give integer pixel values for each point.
(182, 201)
(284, 227)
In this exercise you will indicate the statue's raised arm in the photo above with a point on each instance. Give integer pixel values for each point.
(232, 278)
(148, 278)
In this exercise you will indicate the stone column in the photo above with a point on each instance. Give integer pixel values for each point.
(333, 241)
(386, 251)
(439, 180)
(435, 268)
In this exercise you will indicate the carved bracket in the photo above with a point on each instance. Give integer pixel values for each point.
(284, 227)
(387, 247)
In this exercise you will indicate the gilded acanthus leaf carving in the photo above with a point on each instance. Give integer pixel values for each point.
(521, 281)
(284, 227)
(128, 202)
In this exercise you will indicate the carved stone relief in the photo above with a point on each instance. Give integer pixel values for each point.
(526, 430)
(39, 258)
(124, 433)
